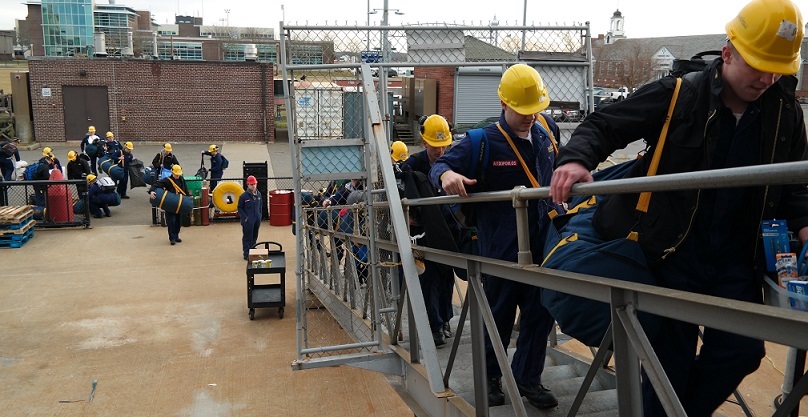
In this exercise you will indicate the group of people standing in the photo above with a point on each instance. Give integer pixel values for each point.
(739, 111)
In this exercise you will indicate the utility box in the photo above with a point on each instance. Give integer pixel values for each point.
(426, 97)
(318, 110)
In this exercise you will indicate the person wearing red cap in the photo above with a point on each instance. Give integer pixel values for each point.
(249, 211)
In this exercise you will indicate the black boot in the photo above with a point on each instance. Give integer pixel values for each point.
(537, 395)
(495, 395)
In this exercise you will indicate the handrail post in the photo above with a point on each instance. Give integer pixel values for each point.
(525, 257)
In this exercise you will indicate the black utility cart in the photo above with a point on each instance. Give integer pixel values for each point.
(267, 295)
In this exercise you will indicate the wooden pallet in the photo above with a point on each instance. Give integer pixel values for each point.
(15, 241)
(18, 228)
(14, 214)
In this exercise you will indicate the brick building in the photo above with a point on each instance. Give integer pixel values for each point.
(154, 101)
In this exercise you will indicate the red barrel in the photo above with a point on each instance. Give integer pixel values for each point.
(60, 201)
(205, 210)
(280, 207)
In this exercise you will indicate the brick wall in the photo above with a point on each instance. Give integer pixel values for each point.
(162, 101)
(445, 81)
(35, 35)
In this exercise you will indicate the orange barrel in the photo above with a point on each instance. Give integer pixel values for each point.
(280, 207)
(205, 210)
(60, 200)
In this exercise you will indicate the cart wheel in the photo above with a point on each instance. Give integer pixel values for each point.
(252, 314)
(280, 312)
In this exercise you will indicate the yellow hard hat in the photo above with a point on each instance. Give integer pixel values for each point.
(71, 156)
(90, 177)
(91, 129)
(110, 135)
(435, 131)
(129, 145)
(768, 35)
(213, 148)
(176, 170)
(167, 147)
(522, 89)
(399, 151)
(46, 151)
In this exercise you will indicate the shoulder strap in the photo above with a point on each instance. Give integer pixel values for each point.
(479, 153)
(177, 188)
(645, 198)
(543, 122)
(529, 174)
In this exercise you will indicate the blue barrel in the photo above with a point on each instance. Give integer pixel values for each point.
(112, 169)
(171, 202)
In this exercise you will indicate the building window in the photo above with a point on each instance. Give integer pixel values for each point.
(67, 26)
(181, 50)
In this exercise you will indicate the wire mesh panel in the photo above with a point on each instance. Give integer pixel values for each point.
(54, 203)
(351, 290)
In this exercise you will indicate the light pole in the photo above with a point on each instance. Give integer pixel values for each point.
(524, 23)
(227, 12)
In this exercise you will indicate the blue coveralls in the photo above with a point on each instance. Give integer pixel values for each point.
(216, 168)
(249, 210)
(497, 239)
(127, 159)
(94, 157)
(437, 280)
(97, 203)
(717, 258)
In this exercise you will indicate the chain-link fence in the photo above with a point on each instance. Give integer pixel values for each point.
(55, 203)
(350, 288)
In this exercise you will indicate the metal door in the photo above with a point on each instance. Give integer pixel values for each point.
(85, 106)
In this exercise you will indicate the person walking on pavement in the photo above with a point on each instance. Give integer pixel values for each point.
(218, 163)
(739, 111)
(521, 150)
(164, 161)
(89, 145)
(249, 211)
(172, 184)
(125, 160)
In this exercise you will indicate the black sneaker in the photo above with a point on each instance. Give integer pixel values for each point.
(178, 240)
(438, 338)
(537, 395)
(447, 330)
(495, 395)
(172, 241)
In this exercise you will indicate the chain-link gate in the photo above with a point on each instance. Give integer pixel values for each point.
(351, 301)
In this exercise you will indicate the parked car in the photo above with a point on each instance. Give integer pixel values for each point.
(619, 94)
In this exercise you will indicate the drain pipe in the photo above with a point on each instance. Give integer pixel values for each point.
(264, 100)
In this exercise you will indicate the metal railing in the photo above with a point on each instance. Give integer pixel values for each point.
(358, 291)
(55, 204)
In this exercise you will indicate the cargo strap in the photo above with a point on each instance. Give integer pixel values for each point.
(177, 188)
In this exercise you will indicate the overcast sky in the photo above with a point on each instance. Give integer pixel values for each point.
(643, 18)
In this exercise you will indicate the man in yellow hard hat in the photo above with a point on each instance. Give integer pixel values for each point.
(92, 145)
(49, 159)
(164, 160)
(218, 163)
(175, 183)
(739, 111)
(125, 160)
(519, 150)
(437, 281)
(399, 151)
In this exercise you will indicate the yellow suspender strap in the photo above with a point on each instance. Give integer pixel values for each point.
(518, 155)
(645, 198)
(543, 122)
(177, 189)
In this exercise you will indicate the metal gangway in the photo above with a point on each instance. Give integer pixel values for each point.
(368, 310)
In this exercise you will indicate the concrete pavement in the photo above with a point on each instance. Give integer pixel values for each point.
(164, 330)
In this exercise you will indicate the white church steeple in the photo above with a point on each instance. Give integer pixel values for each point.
(616, 28)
